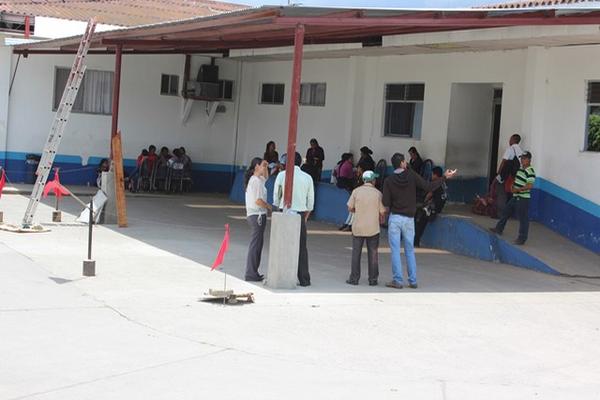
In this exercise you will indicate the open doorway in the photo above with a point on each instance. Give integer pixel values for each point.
(496, 115)
(473, 135)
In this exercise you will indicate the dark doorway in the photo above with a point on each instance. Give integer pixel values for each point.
(496, 116)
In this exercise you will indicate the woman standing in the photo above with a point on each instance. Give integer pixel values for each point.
(315, 155)
(366, 160)
(256, 211)
(271, 156)
(416, 162)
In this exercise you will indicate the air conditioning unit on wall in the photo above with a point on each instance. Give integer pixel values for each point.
(203, 89)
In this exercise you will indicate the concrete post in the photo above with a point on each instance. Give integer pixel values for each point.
(284, 249)
(5, 75)
(109, 216)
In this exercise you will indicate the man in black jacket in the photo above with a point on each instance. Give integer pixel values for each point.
(400, 197)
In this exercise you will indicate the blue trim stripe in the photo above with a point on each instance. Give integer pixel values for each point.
(214, 167)
(568, 196)
(127, 162)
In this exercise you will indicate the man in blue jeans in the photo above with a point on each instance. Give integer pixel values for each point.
(400, 198)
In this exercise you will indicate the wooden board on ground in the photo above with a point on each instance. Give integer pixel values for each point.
(228, 296)
(20, 229)
(119, 180)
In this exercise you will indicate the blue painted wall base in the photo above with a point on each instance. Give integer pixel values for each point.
(460, 236)
(212, 178)
(581, 225)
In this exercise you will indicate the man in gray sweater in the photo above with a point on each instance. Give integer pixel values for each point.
(400, 198)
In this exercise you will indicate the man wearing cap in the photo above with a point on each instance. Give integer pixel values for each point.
(400, 196)
(365, 203)
(521, 191)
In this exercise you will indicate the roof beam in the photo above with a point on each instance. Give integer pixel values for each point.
(481, 22)
(27, 52)
(157, 43)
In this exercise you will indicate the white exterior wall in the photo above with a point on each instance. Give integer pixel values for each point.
(438, 72)
(260, 123)
(543, 100)
(563, 131)
(145, 117)
(353, 115)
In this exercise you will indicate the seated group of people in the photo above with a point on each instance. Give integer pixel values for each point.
(312, 165)
(349, 177)
(159, 171)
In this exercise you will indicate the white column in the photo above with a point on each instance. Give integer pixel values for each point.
(534, 103)
(5, 74)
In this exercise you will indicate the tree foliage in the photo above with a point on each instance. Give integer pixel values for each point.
(593, 133)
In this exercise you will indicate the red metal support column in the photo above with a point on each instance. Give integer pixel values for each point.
(116, 93)
(293, 124)
(27, 26)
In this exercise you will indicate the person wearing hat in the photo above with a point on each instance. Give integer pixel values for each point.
(519, 203)
(366, 204)
(366, 159)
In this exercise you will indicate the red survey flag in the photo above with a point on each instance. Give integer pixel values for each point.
(54, 185)
(2, 181)
(222, 250)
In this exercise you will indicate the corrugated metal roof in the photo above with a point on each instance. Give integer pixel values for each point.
(272, 26)
(118, 12)
(544, 3)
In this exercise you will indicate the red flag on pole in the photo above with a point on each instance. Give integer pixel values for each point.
(54, 185)
(222, 250)
(2, 181)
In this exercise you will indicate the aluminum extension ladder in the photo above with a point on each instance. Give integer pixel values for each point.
(58, 125)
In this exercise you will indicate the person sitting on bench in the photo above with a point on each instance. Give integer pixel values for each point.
(434, 203)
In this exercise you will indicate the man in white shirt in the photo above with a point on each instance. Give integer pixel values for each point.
(303, 199)
(506, 170)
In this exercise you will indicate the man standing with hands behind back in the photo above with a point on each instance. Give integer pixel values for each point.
(400, 197)
(365, 203)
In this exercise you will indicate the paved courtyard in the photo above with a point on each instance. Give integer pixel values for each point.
(137, 330)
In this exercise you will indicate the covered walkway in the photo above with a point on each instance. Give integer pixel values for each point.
(167, 230)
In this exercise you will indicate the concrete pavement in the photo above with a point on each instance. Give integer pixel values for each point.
(473, 330)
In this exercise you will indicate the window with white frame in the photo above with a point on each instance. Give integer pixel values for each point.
(592, 130)
(95, 91)
(313, 94)
(403, 112)
(272, 93)
(169, 85)
(225, 89)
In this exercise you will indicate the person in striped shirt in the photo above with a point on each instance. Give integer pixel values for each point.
(519, 203)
